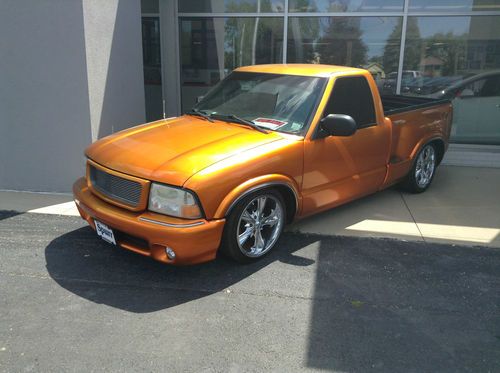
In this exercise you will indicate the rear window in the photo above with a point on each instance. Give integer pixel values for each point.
(352, 96)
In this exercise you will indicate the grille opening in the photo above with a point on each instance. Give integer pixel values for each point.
(126, 238)
(115, 187)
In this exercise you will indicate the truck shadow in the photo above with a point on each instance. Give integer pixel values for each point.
(376, 304)
(102, 273)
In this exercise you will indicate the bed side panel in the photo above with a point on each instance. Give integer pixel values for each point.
(411, 130)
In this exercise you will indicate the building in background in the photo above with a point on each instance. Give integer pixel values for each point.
(73, 71)
(412, 47)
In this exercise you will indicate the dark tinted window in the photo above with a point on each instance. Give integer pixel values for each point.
(487, 87)
(352, 96)
(491, 87)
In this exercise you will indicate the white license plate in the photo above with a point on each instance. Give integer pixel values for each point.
(105, 232)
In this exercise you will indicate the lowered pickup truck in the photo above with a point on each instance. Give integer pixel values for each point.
(267, 145)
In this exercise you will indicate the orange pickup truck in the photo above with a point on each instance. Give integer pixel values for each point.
(267, 145)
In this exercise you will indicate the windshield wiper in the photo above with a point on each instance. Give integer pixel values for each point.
(236, 119)
(199, 113)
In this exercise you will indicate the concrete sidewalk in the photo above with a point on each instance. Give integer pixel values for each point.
(461, 207)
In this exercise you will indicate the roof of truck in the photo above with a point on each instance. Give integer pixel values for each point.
(299, 69)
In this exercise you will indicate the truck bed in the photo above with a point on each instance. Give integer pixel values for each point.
(394, 104)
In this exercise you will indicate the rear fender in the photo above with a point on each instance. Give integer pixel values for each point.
(425, 141)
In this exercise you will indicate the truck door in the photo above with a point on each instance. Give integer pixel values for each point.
(339, 169)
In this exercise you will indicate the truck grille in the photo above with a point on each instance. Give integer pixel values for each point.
(115, 187)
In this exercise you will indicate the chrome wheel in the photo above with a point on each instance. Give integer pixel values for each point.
(259, 225)
(426, 163)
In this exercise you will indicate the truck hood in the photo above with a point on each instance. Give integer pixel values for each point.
(171, 151)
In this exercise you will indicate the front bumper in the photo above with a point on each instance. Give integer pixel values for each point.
(148, 233)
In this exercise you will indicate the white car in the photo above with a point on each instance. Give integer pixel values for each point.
(476, 108)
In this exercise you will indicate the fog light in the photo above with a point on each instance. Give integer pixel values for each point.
(170, 253)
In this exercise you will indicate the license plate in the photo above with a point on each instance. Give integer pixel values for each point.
(105, 232)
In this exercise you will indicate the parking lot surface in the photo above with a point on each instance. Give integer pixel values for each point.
(70, 302)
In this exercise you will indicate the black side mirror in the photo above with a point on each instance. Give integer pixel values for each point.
(338, 125)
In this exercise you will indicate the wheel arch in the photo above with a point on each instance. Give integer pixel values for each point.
(284, 185)
(438, 143)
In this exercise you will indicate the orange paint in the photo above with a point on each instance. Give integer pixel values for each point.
(222, 161)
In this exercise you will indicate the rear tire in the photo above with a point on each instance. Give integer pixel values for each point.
(422, 173)
(254, 226)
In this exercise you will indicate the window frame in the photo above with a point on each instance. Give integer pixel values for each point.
(359, 127)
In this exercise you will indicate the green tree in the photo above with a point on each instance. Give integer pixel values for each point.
(450, 49)
(412, 52)
(342, 43)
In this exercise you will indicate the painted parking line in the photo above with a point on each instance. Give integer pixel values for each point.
(66, 208)
(434, 231)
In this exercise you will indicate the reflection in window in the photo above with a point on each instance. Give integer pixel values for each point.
(213, 47)
(346, 5)
(231, 6)
(151, 54)
(371, 43)
(448, 49)
(454, 5)
(475, 109)
(451, 53)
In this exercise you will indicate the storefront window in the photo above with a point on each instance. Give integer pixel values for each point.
(212, 47)
(371, 43)
(453, 5)
(346, 5)
(458, 58)
(151, 53)
(231, 6)
(451, 49)
(150, 7)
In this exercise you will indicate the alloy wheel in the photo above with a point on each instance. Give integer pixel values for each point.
(260, 225)
(426, 163)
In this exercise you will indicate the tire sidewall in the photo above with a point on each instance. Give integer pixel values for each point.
(229, 245)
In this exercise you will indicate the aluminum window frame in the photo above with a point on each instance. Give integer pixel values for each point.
(170, 37)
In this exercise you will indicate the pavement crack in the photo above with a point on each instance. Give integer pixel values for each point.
(413, 218)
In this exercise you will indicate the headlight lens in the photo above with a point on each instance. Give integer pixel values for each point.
(173, 201)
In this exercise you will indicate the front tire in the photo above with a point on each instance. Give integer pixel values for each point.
(423, 170)
(254, 226)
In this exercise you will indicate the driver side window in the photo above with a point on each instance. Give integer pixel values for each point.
(352, 96)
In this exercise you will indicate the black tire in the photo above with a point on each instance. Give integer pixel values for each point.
(414, 182)
(235, 222)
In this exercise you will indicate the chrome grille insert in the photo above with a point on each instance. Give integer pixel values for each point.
(115, 187)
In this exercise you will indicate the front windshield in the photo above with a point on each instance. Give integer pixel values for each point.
(277, 102)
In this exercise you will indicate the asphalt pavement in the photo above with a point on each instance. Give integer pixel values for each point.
(71, 302)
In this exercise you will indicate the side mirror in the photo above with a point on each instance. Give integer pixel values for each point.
(338, 125)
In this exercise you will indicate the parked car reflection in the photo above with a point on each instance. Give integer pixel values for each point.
(475, 98)
(476, 108)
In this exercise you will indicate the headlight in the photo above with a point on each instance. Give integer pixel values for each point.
(173, 201)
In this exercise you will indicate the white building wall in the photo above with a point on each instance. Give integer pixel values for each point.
(64, 81)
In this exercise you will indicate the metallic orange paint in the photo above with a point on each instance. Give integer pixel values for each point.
(194, 241)
(222, 161)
